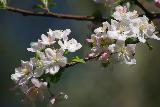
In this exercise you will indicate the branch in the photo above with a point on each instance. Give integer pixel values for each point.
(85, 59)
(54, 15)
(74, 17)
(149, 14)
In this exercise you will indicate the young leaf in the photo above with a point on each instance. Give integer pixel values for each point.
(38, 6)
(77, 59)
(37, 56)
(149, 45)
(2, 5)
(66, 52)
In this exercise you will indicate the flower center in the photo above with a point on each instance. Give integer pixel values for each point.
(25, 71)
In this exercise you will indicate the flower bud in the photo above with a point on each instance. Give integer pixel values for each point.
(90, 55)
(104, 56)
(157, 3)
(89, 41)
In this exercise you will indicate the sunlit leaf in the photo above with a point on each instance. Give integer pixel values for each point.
(77, 59)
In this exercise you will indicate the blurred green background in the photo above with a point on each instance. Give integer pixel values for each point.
(87, 85)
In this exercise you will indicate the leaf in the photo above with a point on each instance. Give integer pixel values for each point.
(131, 41)
(2, 5)
(37, 56)
(77, 59)
(52, 78)
(55, 78)
(38, 6)
(48, 3)
(66, 52)
(149, 45)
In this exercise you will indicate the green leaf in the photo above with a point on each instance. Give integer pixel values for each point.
(66, 52)
(149, 45)
(77, 59)
(38, 6)
(2, 5)
(55, 78)
(37, 56)
(51, 78)
(131, 40)
(48, 3)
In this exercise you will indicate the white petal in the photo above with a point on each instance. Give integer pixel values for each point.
(44, 38)
(98, 30)
(50, 53)
(111, 48)
(54, 69)
(62, 45)
(52, 100)
(155, 37)
(36, 82)
(141, 39)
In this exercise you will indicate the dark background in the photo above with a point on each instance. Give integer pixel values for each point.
(88, 85)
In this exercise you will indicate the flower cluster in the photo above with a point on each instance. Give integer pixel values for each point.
(50, 53)
(119, 38)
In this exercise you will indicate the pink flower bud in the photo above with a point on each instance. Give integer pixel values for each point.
(157, 3)
(89, 41)
(104, 56)
(90, 55)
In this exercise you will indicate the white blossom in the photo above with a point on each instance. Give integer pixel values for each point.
(37, 83)
(47, 40)
(121, 13)
(143, 29)
(122, 53)
(26, 70)
(59, 34)
(50, 57)
(121, 36)
(53, 70)
(118, 30)
(36, 46)
(54, 58)
(71, 45)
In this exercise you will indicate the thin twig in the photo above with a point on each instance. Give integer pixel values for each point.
(85, 59)
(52, 14)
(73, 17)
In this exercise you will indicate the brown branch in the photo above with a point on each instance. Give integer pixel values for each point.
(149, 14)
(75, 17)
(52, 14)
